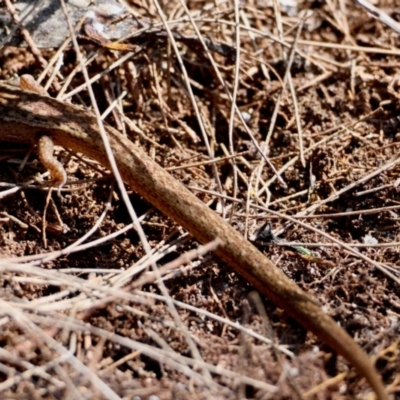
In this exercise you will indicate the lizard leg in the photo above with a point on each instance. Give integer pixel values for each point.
(45, 147)
(45, 143)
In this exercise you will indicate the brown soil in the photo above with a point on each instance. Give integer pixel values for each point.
(68, 330)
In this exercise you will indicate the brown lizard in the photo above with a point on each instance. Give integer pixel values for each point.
(26, 116)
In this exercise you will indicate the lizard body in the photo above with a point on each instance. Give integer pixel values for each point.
(26, 115)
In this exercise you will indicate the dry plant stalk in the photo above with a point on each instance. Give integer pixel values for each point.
(25, 116)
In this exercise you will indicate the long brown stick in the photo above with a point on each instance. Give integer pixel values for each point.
(26, 115)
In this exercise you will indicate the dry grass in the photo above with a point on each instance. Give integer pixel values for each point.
(315, 87)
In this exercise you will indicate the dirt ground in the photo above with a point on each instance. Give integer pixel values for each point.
(317, 85)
